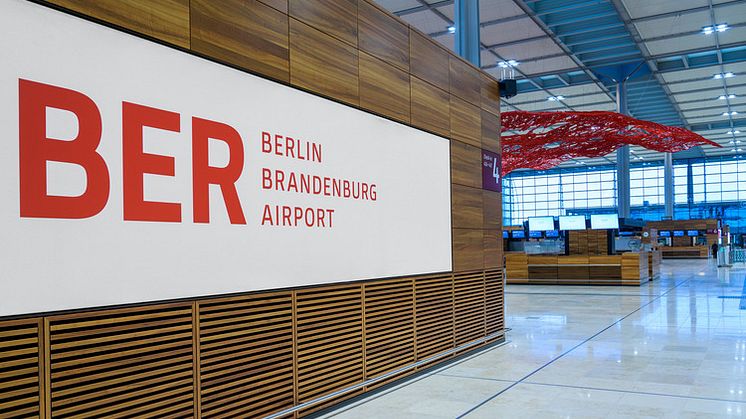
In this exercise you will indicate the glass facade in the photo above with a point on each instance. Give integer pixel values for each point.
(712, 188)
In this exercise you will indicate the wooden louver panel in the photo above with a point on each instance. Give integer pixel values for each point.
(469, 309)
(434, 315)
(246, 355)
(126, 362)
(329, 340)
(389, 327)
(19, 369)
(495, 303)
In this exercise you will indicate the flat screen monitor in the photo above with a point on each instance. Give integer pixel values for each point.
(518, 234)
(604, 221)
(552, 234)
(626, 233)
(534, 234)
(664, 233)
(540, 223)
(692, 233)
(505, 234)
(678, 233)
(572, 222)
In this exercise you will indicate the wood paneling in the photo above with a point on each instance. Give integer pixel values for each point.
(516, 267)
(490, 94)
(244, 33)
(466, 122)
(468, 249)
(469, 307)
(465, 81)
(337, 18)
(493, 249)
(382, 35)
(281, 5)
(134, 361)
(490, 132)
(428, 60)
(466, 205)
(246, 354)
(434, 315)
(430, 107)
(466, 165)
(166, 20)
(495, 304)
(493, 209)
(20, 368)
(384, 88)
(323, 64)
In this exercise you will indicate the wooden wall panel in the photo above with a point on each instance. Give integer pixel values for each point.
(384, 88)
(125, 362)
(468, 249)
(467, 207)
(490, 94)
(428, 60)
(382, 35)
(493, 209)
(494, 298)
(246, 354)
(469, 307)
(20, 368)
(430, 107)
(493, 249)
(465, 81)
(466, 165)
(490, 132)
(434, 315)
(337, 18)
(466, 122)
(166, 20)
(244, 33)
(281, 5)
(323, 64)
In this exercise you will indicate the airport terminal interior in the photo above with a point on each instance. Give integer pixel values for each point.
(373, 209)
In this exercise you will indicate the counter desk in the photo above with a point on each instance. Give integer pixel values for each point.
(630, 268)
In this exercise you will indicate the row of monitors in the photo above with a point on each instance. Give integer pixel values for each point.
(574, 222)
(679, 233)
(520, 234)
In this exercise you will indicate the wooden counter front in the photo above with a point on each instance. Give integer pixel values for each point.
(685, 252)
(626, 269)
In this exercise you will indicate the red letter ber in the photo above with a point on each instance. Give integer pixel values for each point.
(35, 150)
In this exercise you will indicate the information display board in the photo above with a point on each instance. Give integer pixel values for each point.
(540, 223)
(692, 233)
(664, 233)
(572, 222)
(518, 234)
(604, 221)
(678, 233)
(134, 172)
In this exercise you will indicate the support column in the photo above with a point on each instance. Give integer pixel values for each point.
(668, 196)
(467, 30)
(622, 156)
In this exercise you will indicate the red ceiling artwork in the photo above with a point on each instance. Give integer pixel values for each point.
(542, 140)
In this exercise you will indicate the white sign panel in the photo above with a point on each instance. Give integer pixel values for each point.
(133, 172)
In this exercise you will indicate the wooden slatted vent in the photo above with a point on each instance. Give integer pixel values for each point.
(434, 315)
(469, 307)
(330, 342)
(389, 328)
(123, 363)
(495, 302)
(19, 369)
(246, 363)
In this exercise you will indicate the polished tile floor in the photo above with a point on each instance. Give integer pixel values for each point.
(673, 348)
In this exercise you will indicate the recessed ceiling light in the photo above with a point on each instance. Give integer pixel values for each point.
(451, 29)
(734, 142)
(731, 113)
(730, 96)
(556, 98)
(509, 63)
(731, 132)
(723, 75)
(721, 27)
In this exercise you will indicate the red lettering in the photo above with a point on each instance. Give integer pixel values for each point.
(35, 150)
(279, 180)
(204, 175)
(267, 215)
(266, 142)
(286, 213)
(278, 145)
(135, 163)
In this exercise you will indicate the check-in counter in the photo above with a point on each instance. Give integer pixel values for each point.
(630, 268)
(685, 252)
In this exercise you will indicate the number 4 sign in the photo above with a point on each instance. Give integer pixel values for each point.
(491, 168)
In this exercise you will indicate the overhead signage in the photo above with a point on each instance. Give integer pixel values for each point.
(134, 172)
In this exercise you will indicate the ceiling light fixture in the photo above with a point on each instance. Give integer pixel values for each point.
(726, 75)
(509, 63)
(721, 27)
(730, 96)
(451, 29)
(731, 113)
(556, 98)
(734, 142)
(731, 132)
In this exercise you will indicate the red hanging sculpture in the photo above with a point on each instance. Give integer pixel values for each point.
(542, 140)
